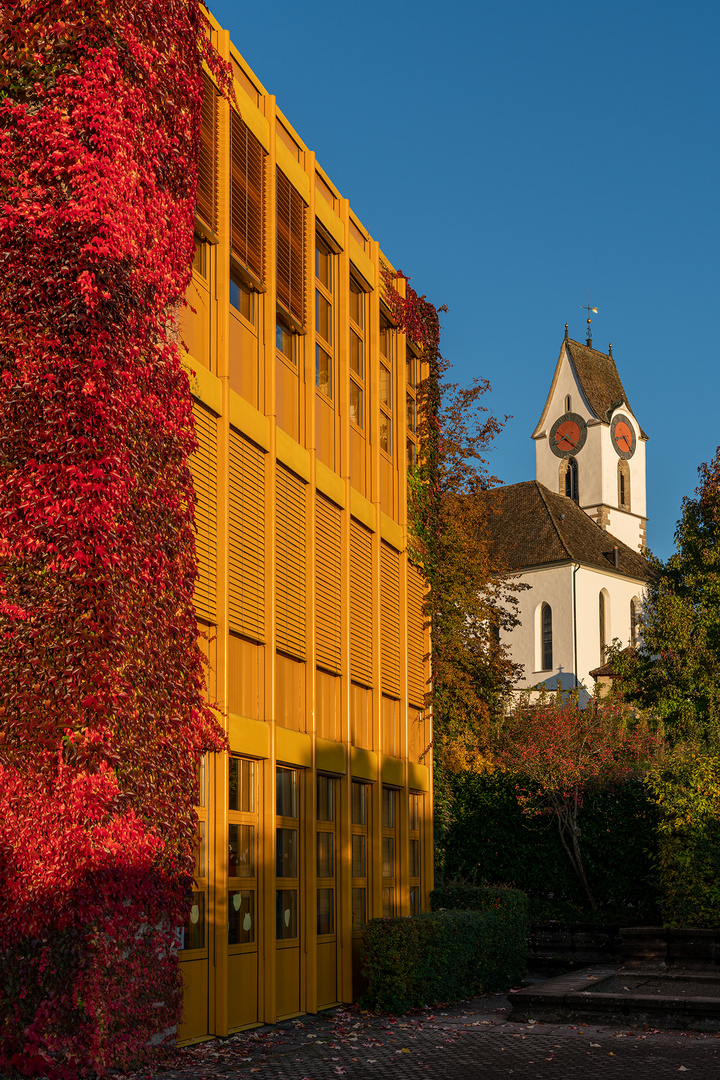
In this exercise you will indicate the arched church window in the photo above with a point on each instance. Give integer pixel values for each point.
(623, 485)
(571, 480)
(601, 620)
(633, 622)
(568, 403)
(547, 642)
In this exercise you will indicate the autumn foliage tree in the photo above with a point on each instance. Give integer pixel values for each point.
(469, 598)
(559, 753)
(101, 685)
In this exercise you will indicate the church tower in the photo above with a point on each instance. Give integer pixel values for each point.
(589, 445)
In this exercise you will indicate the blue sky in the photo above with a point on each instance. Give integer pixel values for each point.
(511, 156)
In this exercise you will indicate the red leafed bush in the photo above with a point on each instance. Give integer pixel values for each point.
(100, 673)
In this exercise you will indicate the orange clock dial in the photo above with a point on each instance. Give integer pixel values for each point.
(568, 435)
(623, 436)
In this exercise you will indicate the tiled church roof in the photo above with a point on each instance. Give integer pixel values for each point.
(530, 525)
(599, 379)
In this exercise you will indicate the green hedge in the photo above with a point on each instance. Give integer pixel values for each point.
(492, 841)
(443, 956)
(507, 963)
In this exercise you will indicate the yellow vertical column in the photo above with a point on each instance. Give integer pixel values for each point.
(219, 979)
(267, 995)
(342, 392)
(307, 390)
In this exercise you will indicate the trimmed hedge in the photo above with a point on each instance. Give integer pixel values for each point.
(444, 955)
(507, 963)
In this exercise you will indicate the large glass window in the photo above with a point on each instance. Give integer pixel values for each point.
(324, 312)
(359, 812)
(411, 366)
(242, 849)
(287, 853)
(389, 870)
(415, 851)
(547, 637)
(325, 854)
(357, 354)
(386, 386)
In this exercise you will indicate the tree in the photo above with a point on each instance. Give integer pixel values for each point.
(469, 597)
(559, 752)
(674, 674)
(101, 696)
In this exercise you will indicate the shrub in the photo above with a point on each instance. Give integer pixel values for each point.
(505, 965)
(687, 790)
(441, 956)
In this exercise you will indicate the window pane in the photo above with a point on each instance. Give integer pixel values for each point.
(358, 909)
(415, 900)
(286, 853)
(385, 386)
(386, 342)
(325, 792)
(388, 808)
(356, 355)
(241, 785)
(358, 856)
(241, 917)
(388, 903)
(547, 661)
(286, 913)
(242, 851)
(357, 297)
(323, 371)
(242, 298)
(200, 257)
(388, 856)
(385, 433)
(284, 341)
(200, 851)
(414, 813)
(326, 911)
(410, 403)
(194, 930)
(414, 858)
(411, 454)
(358, 802)
(323, 265)
(356, 404)
(286, 793)
(323, 317)
(410, 368)
(325, 865)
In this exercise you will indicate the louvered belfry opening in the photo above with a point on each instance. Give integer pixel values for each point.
(290, 249)
(206, 198)
(247, 197)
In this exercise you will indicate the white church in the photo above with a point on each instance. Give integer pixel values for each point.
(577, 533)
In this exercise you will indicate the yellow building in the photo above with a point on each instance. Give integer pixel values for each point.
(305, 407)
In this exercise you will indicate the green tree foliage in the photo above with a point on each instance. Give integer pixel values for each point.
(674, 674)
(558, 752)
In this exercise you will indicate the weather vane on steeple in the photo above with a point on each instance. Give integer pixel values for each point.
(586, 307)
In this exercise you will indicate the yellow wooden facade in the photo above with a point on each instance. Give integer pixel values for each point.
(310, 613)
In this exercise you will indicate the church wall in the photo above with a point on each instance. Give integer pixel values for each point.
(619, 592)
(551, 585)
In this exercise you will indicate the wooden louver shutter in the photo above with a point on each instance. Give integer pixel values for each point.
(327, 584)
(290, 563)
(416, 637)
(246, 584)
(247, 197)
(207, 166)
(361, 603)
(390, 618)
(290, 248)
(203, 464)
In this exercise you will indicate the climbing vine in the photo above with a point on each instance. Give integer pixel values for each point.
(469, 600)
(101, 697)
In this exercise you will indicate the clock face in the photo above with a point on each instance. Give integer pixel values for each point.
(622, 434)
(568, 435)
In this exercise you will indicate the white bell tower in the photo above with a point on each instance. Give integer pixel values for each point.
(589, 445)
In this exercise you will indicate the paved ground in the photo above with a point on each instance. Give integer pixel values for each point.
(467, 1041)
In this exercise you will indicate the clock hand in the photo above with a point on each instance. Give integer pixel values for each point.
(566, 438)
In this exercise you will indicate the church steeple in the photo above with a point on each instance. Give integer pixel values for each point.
(588, 439)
